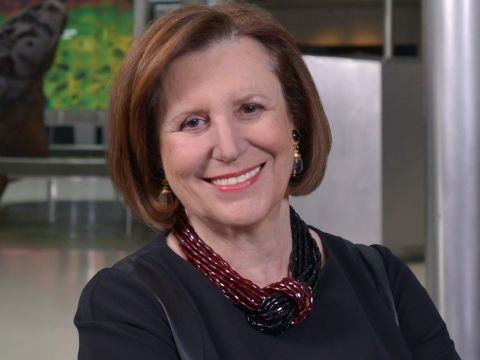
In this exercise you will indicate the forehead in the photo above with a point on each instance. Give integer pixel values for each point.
(222, 48)
(232, 66)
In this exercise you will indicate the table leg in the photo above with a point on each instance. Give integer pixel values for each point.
(51, 197)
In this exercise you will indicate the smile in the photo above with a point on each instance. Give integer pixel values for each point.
(237, 179)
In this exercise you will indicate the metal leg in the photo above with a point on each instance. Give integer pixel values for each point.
(51, 197)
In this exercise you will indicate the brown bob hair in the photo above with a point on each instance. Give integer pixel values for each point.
(134, 153)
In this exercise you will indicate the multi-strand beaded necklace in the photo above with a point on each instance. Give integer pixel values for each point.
(271, 309)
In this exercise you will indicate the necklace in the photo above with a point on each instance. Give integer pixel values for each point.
(271, 309)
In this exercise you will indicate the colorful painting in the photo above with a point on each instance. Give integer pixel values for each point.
(89, 54)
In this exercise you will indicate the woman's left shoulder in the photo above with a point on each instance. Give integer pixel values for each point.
(346, 254)
(343, 248)
(421, 325)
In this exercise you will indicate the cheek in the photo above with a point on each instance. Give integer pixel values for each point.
(181, 158)
(279, 141)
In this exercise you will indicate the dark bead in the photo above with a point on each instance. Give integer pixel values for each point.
(297, 166)
(295, 135)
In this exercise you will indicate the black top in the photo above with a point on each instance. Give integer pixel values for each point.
(119, 318)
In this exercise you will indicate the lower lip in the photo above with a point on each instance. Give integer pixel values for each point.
(238, 187)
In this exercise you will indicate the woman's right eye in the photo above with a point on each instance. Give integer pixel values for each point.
(192, 123)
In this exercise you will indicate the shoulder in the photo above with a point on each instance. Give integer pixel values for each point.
(117, 315)
(153, 248)
(346, 251)
(333, 243)
(421, 325)
(113, 291)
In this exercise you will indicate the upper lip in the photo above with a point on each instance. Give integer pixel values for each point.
(234, 174)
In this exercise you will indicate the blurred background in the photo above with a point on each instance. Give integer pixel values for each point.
(376, 64)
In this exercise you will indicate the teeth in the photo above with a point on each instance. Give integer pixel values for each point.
(238, 179)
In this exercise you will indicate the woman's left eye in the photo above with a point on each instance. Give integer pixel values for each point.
(250, 108)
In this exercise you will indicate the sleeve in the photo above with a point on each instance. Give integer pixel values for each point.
(422, 327)
(118, 318)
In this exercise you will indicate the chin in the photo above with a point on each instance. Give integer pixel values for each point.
(244, 215)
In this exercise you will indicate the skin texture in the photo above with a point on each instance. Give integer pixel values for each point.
(223, 114)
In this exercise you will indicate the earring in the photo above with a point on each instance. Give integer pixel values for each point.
(166, 192)
(297, 157)
(165, 187)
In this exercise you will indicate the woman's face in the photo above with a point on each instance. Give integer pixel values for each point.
(225, 134)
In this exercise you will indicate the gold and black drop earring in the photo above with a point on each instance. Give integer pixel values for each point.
(166, 191)
(297, 157)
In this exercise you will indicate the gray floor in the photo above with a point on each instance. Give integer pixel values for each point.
(44, 266)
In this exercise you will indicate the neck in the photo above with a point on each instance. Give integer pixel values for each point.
(260, 252)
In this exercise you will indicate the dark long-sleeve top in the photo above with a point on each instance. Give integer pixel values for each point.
(119, 318)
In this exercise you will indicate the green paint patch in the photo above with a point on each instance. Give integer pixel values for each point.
(88, 57)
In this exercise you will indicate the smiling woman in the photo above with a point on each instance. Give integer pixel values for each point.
(212, 115)
(138, 106)
(223, 117)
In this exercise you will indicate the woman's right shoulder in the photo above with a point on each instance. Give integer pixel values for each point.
(119, 317)
(112, 291)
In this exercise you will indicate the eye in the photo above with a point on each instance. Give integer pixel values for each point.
(192, 123)
(251, 108)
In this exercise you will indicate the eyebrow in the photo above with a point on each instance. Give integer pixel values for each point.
(253, 96)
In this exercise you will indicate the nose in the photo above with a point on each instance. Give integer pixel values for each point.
(228, 142)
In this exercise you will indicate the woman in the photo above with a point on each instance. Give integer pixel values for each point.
(215, 122)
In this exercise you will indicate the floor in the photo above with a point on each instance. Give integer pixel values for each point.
(45, 262)
(44, 266)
